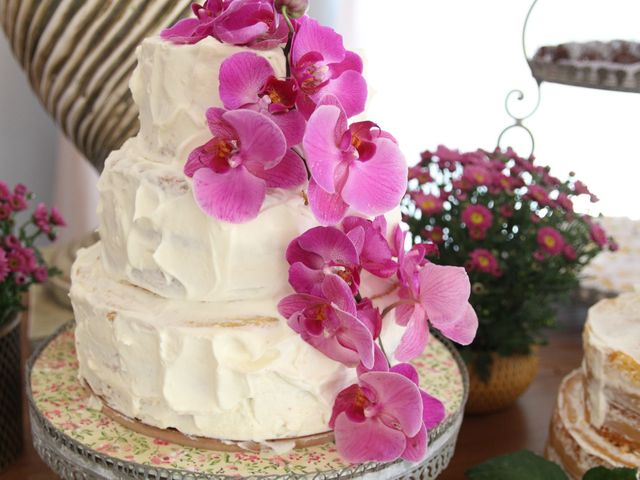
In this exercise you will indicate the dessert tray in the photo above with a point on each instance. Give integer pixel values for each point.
(78, 441)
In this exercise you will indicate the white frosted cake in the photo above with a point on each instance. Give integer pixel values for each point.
(177, 320)
(597, 417)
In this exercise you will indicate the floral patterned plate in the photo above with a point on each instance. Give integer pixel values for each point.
(78, 441)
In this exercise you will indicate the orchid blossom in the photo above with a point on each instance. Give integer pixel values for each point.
(321, 66)
(357, 166)
(246, 156)
(330, 323)
(247, 80)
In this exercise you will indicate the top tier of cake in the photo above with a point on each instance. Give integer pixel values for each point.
(174, 85)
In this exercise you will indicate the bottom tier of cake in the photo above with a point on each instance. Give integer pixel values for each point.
(197, 367)
(576, 444)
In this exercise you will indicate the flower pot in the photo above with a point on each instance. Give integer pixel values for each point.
(10, 392)
(510, 377)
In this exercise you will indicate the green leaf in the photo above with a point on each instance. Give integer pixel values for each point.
(522, 465)
(602, 473)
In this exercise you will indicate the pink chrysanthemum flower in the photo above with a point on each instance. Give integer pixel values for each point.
(4, 265)
(550, 240)
(483, 260)
(477, 216)
(429, 204)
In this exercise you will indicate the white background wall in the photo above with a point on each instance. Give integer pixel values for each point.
(438, 71)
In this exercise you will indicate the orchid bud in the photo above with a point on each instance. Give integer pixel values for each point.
(295, 8)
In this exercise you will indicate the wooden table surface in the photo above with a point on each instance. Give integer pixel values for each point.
(524, 425)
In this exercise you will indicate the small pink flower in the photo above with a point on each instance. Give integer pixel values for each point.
(41, 218)
(477, 216)
(232, 171)
(20, 189)
(506, 210)
(483, 260)
(20, 278)
(434, 234)
(4, 265)
(11, 242)
(535, 218)
(539, 256)
(261, 91)
(330, 323)
(613, 245)
(565, 202)
(4, 191)
(538, 194)
(420, 173)
(359, 166)
(429, 204)
(550, 240)
(41, 274)
(319, 252)
(477, 175)
(56, 218)
(598, 234)
(322, 66)
(18, 203)
(5, 211)
(569, 253)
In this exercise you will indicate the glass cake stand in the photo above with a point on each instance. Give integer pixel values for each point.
(78, 441)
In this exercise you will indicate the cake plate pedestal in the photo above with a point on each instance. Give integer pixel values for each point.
(78, 441)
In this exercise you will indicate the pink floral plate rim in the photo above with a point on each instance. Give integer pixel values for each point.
(63, 414)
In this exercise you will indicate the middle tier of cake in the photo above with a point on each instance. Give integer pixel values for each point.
(155, 235)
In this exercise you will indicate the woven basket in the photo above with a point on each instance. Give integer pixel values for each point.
(10, 393)
(510, 377)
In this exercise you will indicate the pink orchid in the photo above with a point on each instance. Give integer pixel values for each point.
(359, 166)
(321, 66)
(252, 23)
(232, 171)
(380, 419)
(431, 293)
(330, 323)
(321, 252)
(550, 240)
(373, 249)
(295, 8)
(248, 81)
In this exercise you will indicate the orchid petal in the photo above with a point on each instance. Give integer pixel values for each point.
(398, 397)
(185, 31)
(376, 186)
(242, 77)
(352, 61)
(262, 144)
(463, 329)
(408, 371)
(321, 145)
(433, 411)
(338, 293)
(380, 363)
(293, 126)
(295, 303)
(416, 446)
(354, 335)
(365, 441)
(356, 235)
(345, 402)
(218, 126)
(333, 348)
(444, 292)
(414, 339)
(313, 37)
(328, 208)
(351, 90)
(235, 196)
(304, 279)
(330, 243)
(288, 173)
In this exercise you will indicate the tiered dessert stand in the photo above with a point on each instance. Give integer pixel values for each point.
(78, 441)
(559, 74)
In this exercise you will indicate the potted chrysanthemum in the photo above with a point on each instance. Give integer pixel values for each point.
(512, 225)
(21, 265)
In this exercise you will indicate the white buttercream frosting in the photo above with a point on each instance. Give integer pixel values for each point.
(212, 370)
(174, 85)
(612, 353)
